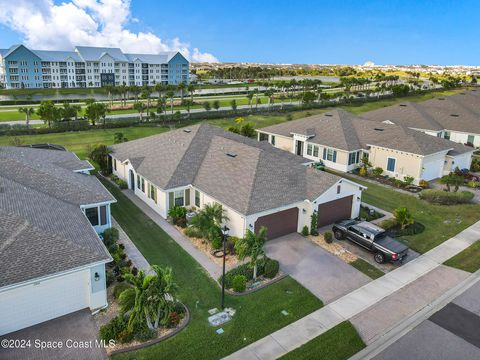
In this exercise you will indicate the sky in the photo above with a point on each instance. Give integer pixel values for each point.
(264, 31)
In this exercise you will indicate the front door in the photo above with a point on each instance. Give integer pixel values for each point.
(299, 148)
(132, 180)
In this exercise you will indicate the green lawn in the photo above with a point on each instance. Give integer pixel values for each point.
(338, 343)
(368, 269)
(467, 260)
(258, 314)
(79, 141)
(441, 221)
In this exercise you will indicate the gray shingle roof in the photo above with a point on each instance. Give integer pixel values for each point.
(258, 178)
(333, 128)
(42, 228)
(344, 131)
(459, 112)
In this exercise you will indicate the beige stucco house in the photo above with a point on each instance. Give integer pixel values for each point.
(257, 184)
(340, 140)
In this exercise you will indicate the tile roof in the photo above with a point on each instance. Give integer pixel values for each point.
(344, 131)
(42, 228)
(257, 177)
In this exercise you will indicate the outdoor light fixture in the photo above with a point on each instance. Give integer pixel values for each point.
(225, 232)
(97, 276)
(304, 211)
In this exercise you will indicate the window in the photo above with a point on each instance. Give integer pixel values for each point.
(309, 149)
(139, 182)
(103, 215)
(439, 134)
(273, 140)
(353, 158)
(179, 198)
(339, 189)
(391, 164)
(197, 198)
(115, 164)
(315, 151)
(92, 215)
(446, 135)
(330, 155)
(152, 193)
(143, 184)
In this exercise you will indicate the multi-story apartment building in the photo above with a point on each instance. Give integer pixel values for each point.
(88, 67)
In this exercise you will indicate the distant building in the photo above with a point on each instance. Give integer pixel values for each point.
(88, 67)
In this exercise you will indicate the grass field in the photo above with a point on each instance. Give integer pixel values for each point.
(258, 314)
(441, 221)
(467, 260)
(368, 269)
(339, 343)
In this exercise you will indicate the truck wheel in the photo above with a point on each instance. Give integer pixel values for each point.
(379, 258)
(338, 235)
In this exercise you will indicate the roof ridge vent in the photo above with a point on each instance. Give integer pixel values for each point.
(403, 105)
(328, 114)
(378, 129)
(187, 130)
(454, 115)
(231, 154)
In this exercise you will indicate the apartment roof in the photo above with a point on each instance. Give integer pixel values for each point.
(48, 55)
(42, 228)
(90, 53)
(244, 174)
(162, 58)
(344, 131)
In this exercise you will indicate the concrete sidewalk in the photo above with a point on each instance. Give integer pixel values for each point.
(213, 269)
(298, 333)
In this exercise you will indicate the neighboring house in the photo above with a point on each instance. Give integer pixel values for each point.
(256, 184)
(340, 140)
(87, 67)
(52, 261)
(455, 117)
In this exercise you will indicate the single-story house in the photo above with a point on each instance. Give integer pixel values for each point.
(455, 117)
(256, 184)
(340, 140)
(52, 260)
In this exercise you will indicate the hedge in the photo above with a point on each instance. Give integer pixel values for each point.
(446, 198)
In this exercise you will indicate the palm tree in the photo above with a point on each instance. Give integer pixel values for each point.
(250, 98)
(170, 94)
(403, 217)
(182, 88)
(48, 112)
(216, 104)
(28, 111)
(252, 246)
(140, 107)
(209, 219)
(191, 90)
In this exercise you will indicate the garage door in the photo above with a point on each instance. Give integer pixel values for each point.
(32, 304)
(335, 210)
(278, 224)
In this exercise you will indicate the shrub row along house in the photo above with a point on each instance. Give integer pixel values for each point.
(340, 140)
(52, 262)
(455, 117)
(256, 184)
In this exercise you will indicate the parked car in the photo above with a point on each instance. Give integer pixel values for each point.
(372, 238)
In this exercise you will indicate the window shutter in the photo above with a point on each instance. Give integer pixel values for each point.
(187, 197)
(324, 153)
(335, 156)
(170, 200)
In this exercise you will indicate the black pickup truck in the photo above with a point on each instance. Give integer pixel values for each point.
(372, 238)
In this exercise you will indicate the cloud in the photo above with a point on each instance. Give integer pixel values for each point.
(45, 25)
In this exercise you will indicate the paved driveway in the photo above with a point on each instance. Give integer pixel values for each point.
(325, 275)
(67, 330)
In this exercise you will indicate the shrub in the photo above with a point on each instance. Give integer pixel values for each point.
(305, 231)
(245, 270)
(181, 222)
(110, 237)
(473, 184)
(403, 216)
(377, 171)
(362, 171)
(239, 283)
(328, 237)
(248, 130)
(314, 224)
(289, 117)
(119, 289)
(230, 245)
(177, 212)
(216, 242)
(122, 184)
(424, 184)
(143, 333)
(173, 319)
(113, 329)
(271, 268)
(446, 198)
(134, 271)
(110, 278)
(193, 232)
(408, 180)
(388, 223)
(397, 183)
